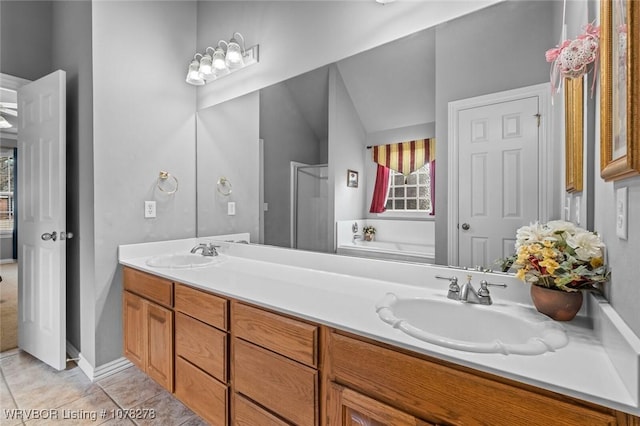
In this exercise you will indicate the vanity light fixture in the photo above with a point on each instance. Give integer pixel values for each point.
(225, 58)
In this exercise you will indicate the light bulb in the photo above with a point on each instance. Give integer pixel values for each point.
(219, 64)
(193, 75)
(206, 68)
(234, 54)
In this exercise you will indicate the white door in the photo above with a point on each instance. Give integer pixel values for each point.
(498, 178)
(42, 219)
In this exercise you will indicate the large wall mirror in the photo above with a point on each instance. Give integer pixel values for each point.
(305, 133)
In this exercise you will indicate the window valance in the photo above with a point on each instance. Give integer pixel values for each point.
(405, 157)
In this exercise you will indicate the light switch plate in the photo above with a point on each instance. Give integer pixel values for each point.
(621, 213)
(231, 208)
(577, 209)
(567, 209)
(149, 209)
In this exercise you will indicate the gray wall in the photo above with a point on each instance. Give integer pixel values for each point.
(228, 147)
(472, 59)
(299, 36)
(144, 122)
(25, 31)
(346, 141)
(287, 137)
(623, 290)
(71, 50)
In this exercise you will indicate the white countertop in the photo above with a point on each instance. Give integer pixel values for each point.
(342, 292)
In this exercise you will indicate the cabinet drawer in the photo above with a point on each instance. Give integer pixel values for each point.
(202, 345)
(150, 287)
(291, 338)
(203, 394)
(285, 387)
(443, 394)
(246, 413)
(201, 305)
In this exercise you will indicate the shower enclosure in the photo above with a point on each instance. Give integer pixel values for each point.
(310, 207)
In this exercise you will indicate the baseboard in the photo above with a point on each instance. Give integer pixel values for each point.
(97, 373)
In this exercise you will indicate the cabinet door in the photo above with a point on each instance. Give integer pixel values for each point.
(159, 322)
(134, 330)
(349, 408)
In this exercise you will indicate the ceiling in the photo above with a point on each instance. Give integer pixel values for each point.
(382, 85)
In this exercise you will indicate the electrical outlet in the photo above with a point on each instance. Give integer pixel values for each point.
(621, 213)
(149, 209)
(231, 208)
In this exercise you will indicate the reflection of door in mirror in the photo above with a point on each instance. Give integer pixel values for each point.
(498, 155)
(310, 212)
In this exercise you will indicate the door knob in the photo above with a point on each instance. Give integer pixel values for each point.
(466, 226)
(50, 236)
(66, 235)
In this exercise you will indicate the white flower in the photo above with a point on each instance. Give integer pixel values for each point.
(534, 233)
(587, 245)
(567, 228)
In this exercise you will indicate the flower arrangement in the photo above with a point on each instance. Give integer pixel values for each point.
(559, 255)
(369, 232)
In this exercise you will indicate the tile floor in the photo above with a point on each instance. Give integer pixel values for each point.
(28, 383)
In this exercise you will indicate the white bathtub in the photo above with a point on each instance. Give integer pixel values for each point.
(389, 250)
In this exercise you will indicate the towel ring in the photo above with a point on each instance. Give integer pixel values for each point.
(162, 182)
(223, 183)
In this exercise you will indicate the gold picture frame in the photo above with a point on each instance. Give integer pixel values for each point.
(619, 89)
(574, 136)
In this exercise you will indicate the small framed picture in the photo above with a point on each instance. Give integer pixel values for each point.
(352, 179)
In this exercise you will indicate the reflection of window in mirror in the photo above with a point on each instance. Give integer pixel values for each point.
(412, 194)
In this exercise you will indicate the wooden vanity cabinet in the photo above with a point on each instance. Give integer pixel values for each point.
(148, 325)
(383, 383)
(274, 368)
(201, 351)
(350, 408)
(243, 365)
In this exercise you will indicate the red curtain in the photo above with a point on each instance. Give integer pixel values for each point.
(380, 190)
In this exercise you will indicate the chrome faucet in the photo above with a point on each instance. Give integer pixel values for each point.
(467, 294)
(356, 237)
(207, 249)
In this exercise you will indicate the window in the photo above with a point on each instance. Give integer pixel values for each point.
(412, 194)
(6, 190)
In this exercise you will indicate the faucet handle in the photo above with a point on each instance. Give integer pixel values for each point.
(484, 290)
(453, 284)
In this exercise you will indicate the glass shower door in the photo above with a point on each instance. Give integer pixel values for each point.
(312, 208)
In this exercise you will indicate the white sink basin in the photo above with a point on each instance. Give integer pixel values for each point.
(474, 328)
(186, 260)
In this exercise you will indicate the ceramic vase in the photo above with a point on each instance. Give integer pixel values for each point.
(556, 304)
(368, 237)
